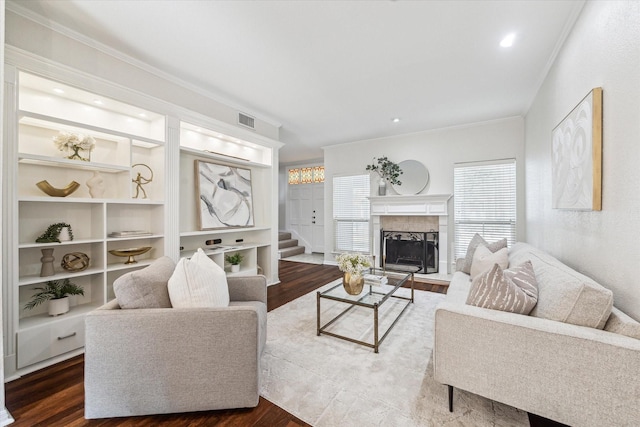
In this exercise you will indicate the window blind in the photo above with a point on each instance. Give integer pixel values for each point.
(484, 202)
(351, 213)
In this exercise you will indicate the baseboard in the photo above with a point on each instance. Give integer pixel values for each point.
(5, 417)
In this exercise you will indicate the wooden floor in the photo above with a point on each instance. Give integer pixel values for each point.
(54, 396)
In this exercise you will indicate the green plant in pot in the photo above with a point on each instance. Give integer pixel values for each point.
(387, 170)
(235, 260)
(57, 293)
(52, 233)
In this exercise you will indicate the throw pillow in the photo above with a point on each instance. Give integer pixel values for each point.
(198, 282)
(621, 323)
(145, 288)
(476, 241)
(514, 290)
(483, 260)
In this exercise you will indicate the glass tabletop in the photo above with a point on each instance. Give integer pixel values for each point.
(371, 294)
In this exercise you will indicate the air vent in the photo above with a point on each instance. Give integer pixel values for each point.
(246, 120)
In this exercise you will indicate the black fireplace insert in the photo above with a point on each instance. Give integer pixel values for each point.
(409, 251)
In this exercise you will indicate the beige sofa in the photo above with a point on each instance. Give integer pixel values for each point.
(165, 360)
(545, 363)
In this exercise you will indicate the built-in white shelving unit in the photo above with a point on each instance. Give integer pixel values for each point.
(43, 99)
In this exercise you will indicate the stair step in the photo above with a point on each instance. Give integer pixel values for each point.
(287, 243)
(284, 235)
(287, 252)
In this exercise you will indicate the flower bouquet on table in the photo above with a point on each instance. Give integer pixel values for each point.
(353, 266)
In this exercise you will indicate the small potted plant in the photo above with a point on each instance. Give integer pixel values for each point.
(76, 145)
(353, 265)
(57, 293)
(387, 170)
(56, 233)
(235, 260)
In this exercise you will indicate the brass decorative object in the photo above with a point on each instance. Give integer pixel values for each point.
(57, 192)
(75, 261)
(131, 252)
(140, 181)
(353, 284)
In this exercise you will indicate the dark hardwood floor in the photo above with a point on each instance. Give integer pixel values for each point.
(54, 396)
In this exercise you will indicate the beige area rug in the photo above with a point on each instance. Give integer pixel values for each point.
(326, 381)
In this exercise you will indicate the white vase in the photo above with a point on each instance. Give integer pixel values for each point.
(96, 185)
(382, 187)
(58, 306)
(235, 268)
(64, 235)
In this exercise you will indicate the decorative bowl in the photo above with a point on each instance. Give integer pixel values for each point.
(57, 192)
(131, 252)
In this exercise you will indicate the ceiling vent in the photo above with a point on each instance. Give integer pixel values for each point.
(246, 120)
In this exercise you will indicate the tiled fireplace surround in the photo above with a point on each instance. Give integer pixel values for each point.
(413, 213)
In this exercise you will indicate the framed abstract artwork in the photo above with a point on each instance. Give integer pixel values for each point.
(224, 196)
(576, 158)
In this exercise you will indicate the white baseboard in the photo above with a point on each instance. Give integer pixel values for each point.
(5, 417)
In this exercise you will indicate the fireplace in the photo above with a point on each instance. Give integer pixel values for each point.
(409, 250)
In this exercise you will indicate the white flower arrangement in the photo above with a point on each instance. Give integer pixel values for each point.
(73, 143)
(353, 263)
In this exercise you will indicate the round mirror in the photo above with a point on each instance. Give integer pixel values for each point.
(414, 178)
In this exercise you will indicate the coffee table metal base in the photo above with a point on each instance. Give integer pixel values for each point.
(377, 339)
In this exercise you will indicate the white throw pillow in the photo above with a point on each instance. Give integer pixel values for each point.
(198, 282)
(484, 259)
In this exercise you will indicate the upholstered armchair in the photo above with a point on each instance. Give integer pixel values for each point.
(166, 360)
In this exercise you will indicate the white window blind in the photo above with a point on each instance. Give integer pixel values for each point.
(351, 213)
(484, 202)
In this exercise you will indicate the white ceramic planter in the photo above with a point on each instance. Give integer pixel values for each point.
(235, 268)
(58, 306)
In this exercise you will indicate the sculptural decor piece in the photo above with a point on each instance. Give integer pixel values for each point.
(224, 196)
(130, 253)
(57, 192)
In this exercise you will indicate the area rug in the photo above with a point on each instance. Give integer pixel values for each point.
(326, 381)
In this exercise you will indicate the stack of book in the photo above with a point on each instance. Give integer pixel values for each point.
(375, 280)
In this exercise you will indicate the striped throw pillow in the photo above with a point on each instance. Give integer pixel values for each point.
(514, 290)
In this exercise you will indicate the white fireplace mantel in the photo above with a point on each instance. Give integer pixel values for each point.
(418, 205)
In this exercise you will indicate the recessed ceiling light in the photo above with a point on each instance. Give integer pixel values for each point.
(508, 40)
(97, 102)
(58, 90)
(395, 119)
(142, 115)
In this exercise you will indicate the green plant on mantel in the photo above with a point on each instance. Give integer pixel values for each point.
(54, 289)
(386, 169)
(53, 232)
(234, 259)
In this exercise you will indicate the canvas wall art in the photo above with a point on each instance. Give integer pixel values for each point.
(577, 157)
(224, 196)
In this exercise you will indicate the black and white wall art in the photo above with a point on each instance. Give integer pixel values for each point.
(225, 198)
(577, 157)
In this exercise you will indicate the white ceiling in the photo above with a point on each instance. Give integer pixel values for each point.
(331, 72)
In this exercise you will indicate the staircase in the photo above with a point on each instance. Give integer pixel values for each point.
(287, 246)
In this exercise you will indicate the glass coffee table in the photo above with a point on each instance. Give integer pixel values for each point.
(371, 298)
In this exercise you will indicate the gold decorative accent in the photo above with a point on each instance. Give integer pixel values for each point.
(131, 252)
(57, 192)
(75, 261)
(352, 283)
(140, 181)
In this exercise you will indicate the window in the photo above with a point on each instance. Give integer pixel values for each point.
(351, 213)
(484, 202)
(307, 175)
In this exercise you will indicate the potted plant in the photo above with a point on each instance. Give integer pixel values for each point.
(57, 293)
(56, 233)
(76, 145)
(387, 170)
(353, 265)
(235, 260)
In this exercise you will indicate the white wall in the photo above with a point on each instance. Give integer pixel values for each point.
(438, 150)
(602, 50)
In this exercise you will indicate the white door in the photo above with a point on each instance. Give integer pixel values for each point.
(317, 219)
(306, 214)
